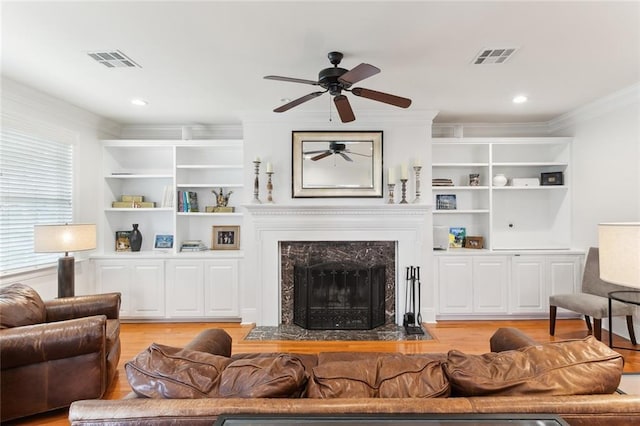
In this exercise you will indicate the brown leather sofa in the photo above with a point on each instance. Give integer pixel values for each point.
(575, 379)
(55, 352)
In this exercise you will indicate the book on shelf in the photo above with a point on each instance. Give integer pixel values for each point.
(188, 202)
(441, 182)
(193, 245)
(167, 197)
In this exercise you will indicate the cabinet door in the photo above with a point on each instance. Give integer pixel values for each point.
(528, 294)
(564, 274)
(185, 288)
(456, 284)
(221, 288)
(114, 276)
(490, 284)
(146, 289)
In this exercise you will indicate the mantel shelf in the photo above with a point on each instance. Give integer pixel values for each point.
(338, 210)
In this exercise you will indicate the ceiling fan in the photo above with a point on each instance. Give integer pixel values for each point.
(334, 148)
(335, 80)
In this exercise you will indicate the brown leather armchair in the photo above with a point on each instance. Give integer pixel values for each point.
(55, 352)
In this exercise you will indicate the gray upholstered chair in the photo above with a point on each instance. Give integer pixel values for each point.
(592, 301)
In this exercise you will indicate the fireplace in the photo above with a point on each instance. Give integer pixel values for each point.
(338, 296)
(338, 284)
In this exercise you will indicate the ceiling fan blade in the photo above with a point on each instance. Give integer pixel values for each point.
(321, 156)
(356, 153)
(345, 156)
(358, 73)
(291, 79)
(314, 152)
(382, 97)
(344, 108)
(297, 102)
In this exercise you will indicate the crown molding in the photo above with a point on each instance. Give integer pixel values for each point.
(174, 131)
(322, 118)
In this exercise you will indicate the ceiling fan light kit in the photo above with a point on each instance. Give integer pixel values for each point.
(335, 80)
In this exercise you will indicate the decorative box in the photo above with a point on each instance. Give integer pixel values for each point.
(525, 182)
(553, 178)
(134, 198)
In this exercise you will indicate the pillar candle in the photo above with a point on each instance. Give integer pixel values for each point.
(392, 175)
(404, 172)
(269, 168)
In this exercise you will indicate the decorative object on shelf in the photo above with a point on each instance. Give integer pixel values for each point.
(474, 179)
(193, 245)
(256, 181)
(122, 241)
(337, 164)
(525, 182)
(269, 185)
(446, 202)
(187, 133)
(403, 183)
(65, 238)
(225, 238)
(162, 241)
(552, 178)
(135, 238)
(440, 237)
(457, 236)
(474, 242)
(499, 180)
(132, 202)
(391, 187)
(417, 169)
(222, 202)
(441, 182)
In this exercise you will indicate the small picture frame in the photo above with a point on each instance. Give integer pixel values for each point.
(457, 236)
(446, 202)
(163, 242)
(474, 242)
(225, 238)
(552, 178)
(122, 241)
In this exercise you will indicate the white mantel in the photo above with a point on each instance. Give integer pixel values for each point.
(407, 224)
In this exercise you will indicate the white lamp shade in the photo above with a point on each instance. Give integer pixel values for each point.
(620, 253)
(64, 238)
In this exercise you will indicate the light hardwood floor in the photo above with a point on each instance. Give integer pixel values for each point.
(467, 336)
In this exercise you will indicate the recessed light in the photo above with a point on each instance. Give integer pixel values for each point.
(139, 102)
(520, 99)
(285, 100)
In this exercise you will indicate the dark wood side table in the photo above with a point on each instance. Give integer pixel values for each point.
(625, 296)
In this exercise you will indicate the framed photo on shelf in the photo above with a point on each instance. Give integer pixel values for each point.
(163, 242)
(474, 242)
(457, 236)
(122, 241)
(446, 202)
(225, 238)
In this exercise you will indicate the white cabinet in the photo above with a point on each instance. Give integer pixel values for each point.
(140, 282)
(511, 217)
(495, 285)
(202, 288)
(472, 284)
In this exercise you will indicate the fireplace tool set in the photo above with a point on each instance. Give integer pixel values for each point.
(412, 321)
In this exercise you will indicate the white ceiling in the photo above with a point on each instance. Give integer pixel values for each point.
(203, 62)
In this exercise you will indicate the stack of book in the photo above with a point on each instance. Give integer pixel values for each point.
(188, 201)
(132, 202)
(441, 182)
(193, 245)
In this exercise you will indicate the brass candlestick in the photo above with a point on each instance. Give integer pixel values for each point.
(269, 188)
(391, 187)
(404, 191)
(417, 169)
(256, 183)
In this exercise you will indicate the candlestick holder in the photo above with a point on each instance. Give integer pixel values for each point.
(269, 188)
(256, 183)
(404, 192)
(391, 187)
(417, 169)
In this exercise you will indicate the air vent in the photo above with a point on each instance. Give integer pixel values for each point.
(494, 55)
(113, 59)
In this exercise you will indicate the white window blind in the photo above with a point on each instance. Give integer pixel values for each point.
(36, 177)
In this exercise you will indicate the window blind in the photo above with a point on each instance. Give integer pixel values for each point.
(36, 177)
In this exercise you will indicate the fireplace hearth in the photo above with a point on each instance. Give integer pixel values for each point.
(339, 296)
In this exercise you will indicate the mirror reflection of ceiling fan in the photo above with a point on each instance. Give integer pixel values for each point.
(335, 80)
(334, 148)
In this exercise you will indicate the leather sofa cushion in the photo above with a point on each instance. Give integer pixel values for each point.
(571, 367)
(20, 305)
(280, 376)
(384, 376)
(166, 372)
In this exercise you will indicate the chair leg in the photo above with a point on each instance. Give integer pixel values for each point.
(597, 328)
(587, 319)
(552, 319)
(632, 335)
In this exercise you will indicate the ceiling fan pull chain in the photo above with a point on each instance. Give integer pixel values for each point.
(330, 109)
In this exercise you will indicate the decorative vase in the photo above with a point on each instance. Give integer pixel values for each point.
(135, 239)
(499, 180)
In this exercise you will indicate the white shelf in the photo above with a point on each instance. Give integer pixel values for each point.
(210, 185)
(209, 166)
(529, 188)
(530, 164)
(460, 165)
(140, 209)
(234, 214)
(459, 188)
(462, 211)
(140, 176)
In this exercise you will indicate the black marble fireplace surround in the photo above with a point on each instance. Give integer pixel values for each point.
(367, 256)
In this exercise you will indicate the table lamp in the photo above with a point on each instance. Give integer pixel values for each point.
(620, 253)
(65, 238)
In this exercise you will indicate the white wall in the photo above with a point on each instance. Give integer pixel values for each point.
(26, 108)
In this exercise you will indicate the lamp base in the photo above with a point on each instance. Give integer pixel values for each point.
(66, 276)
